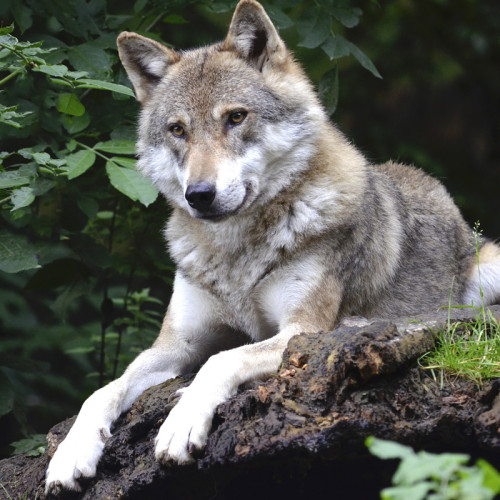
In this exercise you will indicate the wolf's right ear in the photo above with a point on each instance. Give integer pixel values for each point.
(145, 62)
(253, 36)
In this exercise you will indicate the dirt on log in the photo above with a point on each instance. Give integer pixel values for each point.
(302, 431)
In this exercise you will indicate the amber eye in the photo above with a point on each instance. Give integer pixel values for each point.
(237, 117)
(177, 130)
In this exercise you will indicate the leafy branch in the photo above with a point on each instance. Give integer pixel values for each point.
(429, 476)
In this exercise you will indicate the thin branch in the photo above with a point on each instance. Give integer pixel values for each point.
(12, 75)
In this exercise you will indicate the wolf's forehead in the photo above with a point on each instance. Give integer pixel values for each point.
(207, 79)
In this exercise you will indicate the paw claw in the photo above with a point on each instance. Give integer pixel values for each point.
(195, 451)
(54, 488)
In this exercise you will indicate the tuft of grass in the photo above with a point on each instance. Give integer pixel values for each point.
(469, 350)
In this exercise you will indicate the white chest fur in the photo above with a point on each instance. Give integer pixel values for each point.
(256, 280)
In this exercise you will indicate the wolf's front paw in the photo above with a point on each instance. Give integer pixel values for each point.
(185, 430)
(77, 456)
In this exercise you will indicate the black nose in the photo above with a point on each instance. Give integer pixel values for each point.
(200, 196)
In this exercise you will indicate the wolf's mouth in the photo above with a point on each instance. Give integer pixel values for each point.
(213, 217)
(219, 216)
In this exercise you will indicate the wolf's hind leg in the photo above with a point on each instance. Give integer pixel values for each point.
(485, 277)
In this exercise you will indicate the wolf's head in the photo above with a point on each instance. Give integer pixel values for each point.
(226, 126)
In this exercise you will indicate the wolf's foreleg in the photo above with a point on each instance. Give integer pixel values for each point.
(188, 424)
(175, 352)
(296, 305)
(82, 448)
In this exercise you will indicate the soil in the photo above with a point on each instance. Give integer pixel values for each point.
(300, 433)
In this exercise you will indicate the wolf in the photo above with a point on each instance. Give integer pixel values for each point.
(279, 226)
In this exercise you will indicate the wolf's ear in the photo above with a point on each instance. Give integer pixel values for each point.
(253, 35)
(145, 61)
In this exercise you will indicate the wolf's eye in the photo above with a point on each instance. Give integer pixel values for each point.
(237, 117)
(177, 130)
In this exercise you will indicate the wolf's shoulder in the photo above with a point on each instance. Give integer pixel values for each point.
(420, 194)
(411, 181)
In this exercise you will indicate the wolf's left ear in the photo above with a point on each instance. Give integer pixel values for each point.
(145, 62)
(253, 35)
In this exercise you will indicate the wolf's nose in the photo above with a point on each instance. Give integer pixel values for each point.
(200, 196)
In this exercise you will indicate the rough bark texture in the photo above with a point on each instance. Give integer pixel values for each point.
(302, 431)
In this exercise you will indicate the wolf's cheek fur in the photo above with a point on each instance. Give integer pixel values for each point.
(160, 164)
(265, 168)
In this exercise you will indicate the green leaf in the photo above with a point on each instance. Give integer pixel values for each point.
(279, 18)
(79, 162)
(22, 15)
(86, 83)
(139, 5)
(336, 47)
(174, 19)
(41, 158)
(6, 30)
(387, 449)
(318, 32)
(8, 41)
(77, 74)
(41, 186)
(414, 492)
(116, 22)
(58, 81)
(349, 17)
(56, 70)
(328, 90)
(10, 116)
(491, 477)
(364, 60)
(75, 124)
(124, 161)
(16, 178)
(22, 197)
(70, 104)
(424, 465)
(131, 183)
(307, 21)
(91, 58)
(16, 253)
(116, 146)
(33, 446)
(88, 206)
